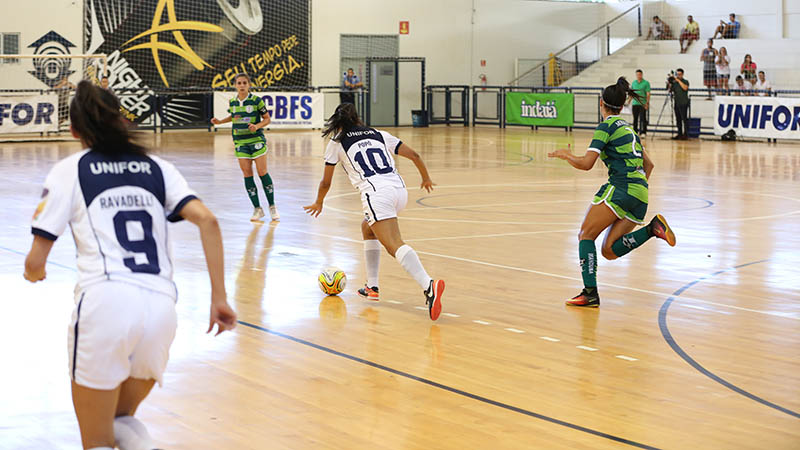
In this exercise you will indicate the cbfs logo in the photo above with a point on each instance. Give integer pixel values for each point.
(51, 68)
(290, 107)
(538, 110)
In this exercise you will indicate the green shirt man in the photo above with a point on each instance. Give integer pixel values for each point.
(643, 89)
(680, 93)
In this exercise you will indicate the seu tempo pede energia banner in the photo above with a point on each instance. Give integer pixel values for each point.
(760, 117)
(540, 109)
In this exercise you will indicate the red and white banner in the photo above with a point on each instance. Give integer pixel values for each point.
(28, 113)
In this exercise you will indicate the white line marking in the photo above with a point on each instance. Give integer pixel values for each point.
(481, 322)
(588, 349)
(564, 277)
(485, 205)
(626, 358)
(548, 338)
(473, 236)
(424, 308)
(703, 308)
(450, 314)
(394, 302)
(514, 330)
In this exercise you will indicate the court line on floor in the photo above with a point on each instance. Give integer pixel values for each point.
(662, 325)
(447, 388)
(565, 277)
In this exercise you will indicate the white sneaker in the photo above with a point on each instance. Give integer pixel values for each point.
(258, 213)
(273, 212)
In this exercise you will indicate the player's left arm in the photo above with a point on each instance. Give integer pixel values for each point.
(408, 152)
(315, 209)
(648, 165)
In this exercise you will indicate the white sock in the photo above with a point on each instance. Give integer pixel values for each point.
(408, 258)
(131, 434)
(372, 255)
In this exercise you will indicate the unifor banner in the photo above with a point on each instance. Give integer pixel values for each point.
(29, 113)
(157, 44)
(286, 109)
(544, 110)
(762, 117)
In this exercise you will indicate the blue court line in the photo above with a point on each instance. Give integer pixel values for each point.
(662, 324)
(48, 262)
(448, 388)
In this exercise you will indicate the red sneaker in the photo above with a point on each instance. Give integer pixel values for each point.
(433, 298)
(585, 300)
(370, 293)
(660, 229)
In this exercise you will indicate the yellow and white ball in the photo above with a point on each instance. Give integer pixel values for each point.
(332, 280)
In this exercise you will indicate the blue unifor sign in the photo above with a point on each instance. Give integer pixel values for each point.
(764, 117)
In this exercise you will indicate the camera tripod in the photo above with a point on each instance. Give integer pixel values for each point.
(668, 100)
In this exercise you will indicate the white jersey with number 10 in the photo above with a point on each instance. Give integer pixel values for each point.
(366, 156)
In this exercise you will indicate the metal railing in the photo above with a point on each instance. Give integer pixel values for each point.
(451, 101)
(574, 58)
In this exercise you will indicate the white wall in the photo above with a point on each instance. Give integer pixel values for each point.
(62, 16)
(443, 32)
(791, 19)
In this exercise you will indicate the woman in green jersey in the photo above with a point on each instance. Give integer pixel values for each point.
(249, 115)
(621, 203)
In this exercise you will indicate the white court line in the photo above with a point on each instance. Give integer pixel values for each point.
(482, 322)
(564, 277)
(424, 308)
(486, 205)
(704, 309)
(550, 339)
(521, 233)
(626, 358)
(588, 349)
(514, 330)
(395, 302)
(450, 314)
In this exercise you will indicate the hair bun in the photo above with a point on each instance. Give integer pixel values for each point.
(622, 82)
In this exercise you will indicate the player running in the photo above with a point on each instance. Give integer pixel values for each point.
(250, 144)
(117, 201)
(621, 203)
(366, 156)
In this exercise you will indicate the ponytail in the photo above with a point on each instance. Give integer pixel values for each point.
(343, 120)
(615, 95)
(94, 115)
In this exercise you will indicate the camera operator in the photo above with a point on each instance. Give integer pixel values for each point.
(679, 87)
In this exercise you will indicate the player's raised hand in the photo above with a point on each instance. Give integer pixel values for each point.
(314, 209)
(222, 315)
(427, 184)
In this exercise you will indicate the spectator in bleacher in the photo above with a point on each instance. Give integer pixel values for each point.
(728, 30)
(709, 58)
(641, 104)
(748, 69)
(691, 32)
(762, 87)
(742, 86)
(723, 65)
(656, 29)
(680, 94)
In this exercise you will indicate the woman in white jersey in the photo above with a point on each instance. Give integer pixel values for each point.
(117, 201)
(366, 156)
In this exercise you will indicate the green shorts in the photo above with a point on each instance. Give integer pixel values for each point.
(251, 151)
(630, 203)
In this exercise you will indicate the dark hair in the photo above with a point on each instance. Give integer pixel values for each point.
(739, 77)
(240, 75)
(710, 40)
(343, 120)
(639, 71)
(751, 58)
(94, 115)
(734, 15)
(680, 70)
(350, 68)
(761, 71)
(614, 96)
(655, 17)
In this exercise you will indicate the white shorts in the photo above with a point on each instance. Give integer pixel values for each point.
(385, 203)
(119, 330)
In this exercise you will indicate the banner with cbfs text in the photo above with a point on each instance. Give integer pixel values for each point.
(541, 109)
(287, 110)
(28, 113)
(761, 117)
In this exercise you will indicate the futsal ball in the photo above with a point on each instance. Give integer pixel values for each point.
(332, 280)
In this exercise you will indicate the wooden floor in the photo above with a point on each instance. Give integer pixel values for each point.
(696, 346)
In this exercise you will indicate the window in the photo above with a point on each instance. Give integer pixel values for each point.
(9, 45)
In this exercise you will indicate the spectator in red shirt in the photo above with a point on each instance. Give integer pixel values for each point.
(749, 68)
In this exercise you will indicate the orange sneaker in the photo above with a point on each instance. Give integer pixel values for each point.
(660, 229)
(585, 299)
(433, 298)
(369, 293)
